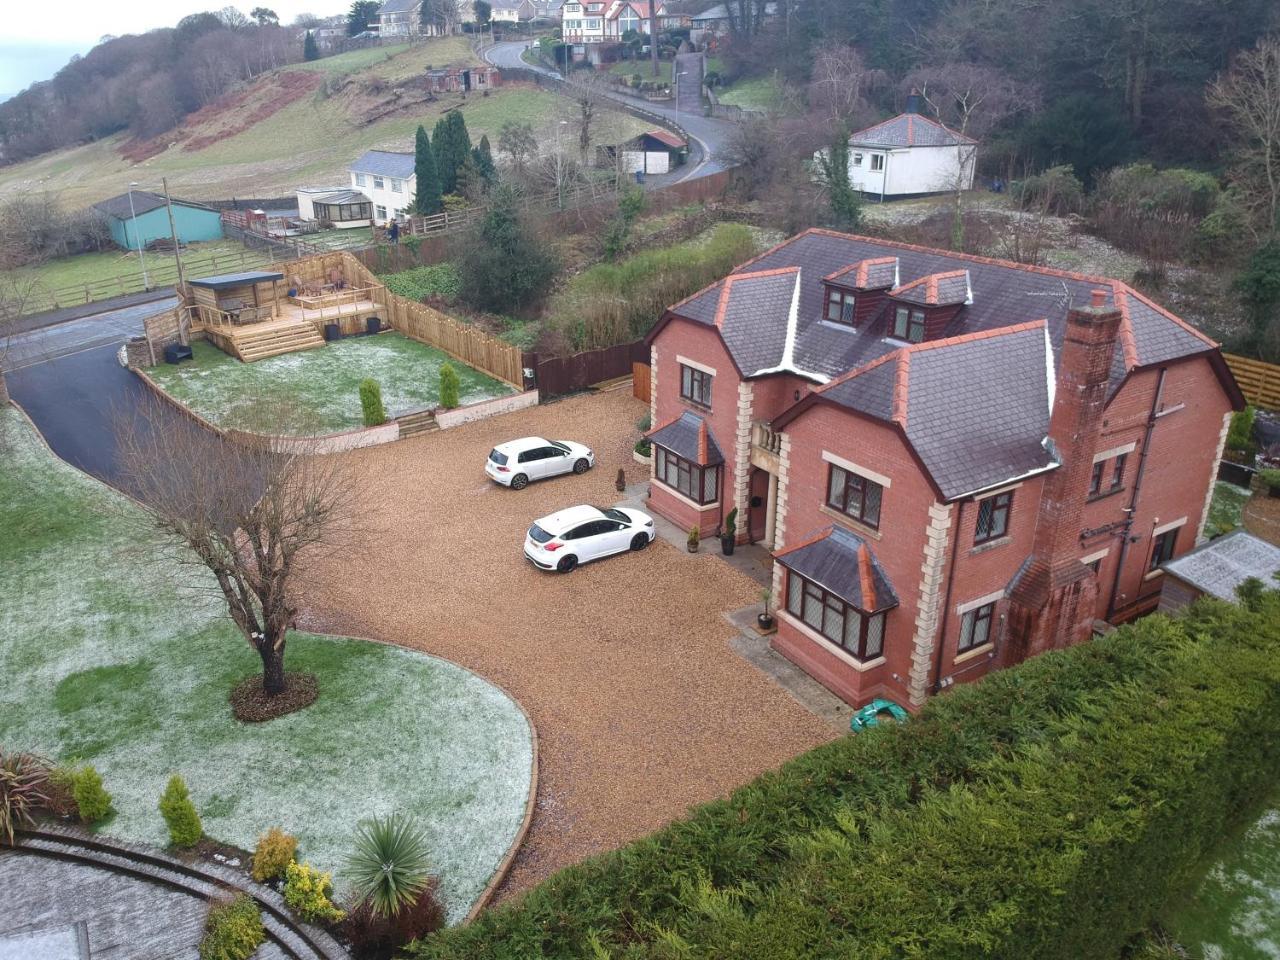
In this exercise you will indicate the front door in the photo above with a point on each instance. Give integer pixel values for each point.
(758, 510)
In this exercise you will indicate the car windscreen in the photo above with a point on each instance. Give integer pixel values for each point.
(613, 514)
(559, 446)
(538, 535)
(498, 457)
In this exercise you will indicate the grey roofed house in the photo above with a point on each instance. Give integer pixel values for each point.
(144, 201)
(399, 6)
(720, 12)
(843, 563)
(385, 163)
(977, 394)
(683, 436)
(1217, 568)
(908, 130)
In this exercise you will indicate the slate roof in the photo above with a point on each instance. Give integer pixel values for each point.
(144, 201)
(1004, 294)
(877, 274)
(398, 6)
(908, 130)
(682, 437)
(936, 289)
(1223, 564)
(385, 163)
(844, 564)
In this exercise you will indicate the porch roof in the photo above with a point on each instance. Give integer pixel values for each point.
(841, 562)
(689, 437)
(224, 280)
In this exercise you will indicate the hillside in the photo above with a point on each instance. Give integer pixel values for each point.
(298, 126)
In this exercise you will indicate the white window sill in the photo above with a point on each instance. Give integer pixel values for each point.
(975, 652)
(811, 634)
(857, 526)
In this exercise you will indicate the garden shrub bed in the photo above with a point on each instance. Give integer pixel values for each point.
(1049, 811)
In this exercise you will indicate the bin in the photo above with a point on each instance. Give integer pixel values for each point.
(332, 332)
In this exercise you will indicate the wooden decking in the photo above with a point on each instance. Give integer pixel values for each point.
(294, 324)
(267, 338)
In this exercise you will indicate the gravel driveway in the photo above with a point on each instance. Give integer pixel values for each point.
(642, 708)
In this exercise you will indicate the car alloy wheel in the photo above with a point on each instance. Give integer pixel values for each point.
(567, 563)
(519, 481)
(639, 541)
(581, 467)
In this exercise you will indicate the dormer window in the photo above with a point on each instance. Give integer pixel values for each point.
(908, 324)
(840, 306)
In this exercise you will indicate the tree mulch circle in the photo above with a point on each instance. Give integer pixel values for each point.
(250, 703)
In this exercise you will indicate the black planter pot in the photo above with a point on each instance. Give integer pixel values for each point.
(764, 621)
(726, 545)
(1236, 473)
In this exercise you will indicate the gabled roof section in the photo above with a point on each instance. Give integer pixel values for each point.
(385, 163)
(908, 130)
(144, 201)
(877, 273)
(974, 408)
(843, 563)
(937, 290)
(688, 436)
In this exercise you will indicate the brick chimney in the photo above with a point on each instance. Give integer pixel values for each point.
(1053, 603)
(913, 102)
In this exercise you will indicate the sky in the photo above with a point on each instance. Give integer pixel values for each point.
(33, 48)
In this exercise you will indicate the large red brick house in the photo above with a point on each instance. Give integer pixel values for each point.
(957, 462)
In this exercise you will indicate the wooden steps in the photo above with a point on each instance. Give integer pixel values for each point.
(274, 339)
(413, 424)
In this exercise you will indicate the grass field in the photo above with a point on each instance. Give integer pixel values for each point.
(759, 93)
(322, 384)
(112, 653)
(308, 142)
(199, 259)
(1225, 509)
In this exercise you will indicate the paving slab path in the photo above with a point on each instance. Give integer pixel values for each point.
(643, 707)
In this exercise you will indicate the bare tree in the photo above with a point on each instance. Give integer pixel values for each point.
(972, 100)
(839, 84)
(1249, 97)
(518, 142)
(247, 512)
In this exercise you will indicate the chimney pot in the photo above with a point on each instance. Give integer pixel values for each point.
(1098, 298)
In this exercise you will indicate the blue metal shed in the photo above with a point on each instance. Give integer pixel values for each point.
(194, 222)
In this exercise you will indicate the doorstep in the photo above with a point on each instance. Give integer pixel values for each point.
(805, 690)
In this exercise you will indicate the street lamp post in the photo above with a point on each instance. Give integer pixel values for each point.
(133, 216)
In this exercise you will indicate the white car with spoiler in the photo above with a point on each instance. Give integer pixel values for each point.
(582, 534)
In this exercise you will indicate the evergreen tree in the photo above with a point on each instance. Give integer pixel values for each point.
(309, 49)
(446, 169)
(483, 157)
(505, 266)
(361, 13)
(846, 201)
(426, 199)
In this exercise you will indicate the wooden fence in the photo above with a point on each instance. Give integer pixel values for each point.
(420, 322)
(160, 273)
(1259, 381)
(559, 375)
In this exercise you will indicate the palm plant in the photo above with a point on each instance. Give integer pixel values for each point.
(389, 865)
(23, 781)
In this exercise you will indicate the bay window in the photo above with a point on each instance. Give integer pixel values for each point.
(859, 634)
(699, 484)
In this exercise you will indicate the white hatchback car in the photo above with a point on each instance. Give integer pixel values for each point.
(581, 534)
(514, 463)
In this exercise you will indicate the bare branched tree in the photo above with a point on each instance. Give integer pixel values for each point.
(840, 83)
(1248, 96)
(18, 294)
(247, 512)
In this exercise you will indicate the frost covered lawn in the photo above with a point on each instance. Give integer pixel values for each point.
(323, 384)
(107, 659)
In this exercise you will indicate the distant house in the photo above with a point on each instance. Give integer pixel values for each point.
(606, 21)
(1217, 568)
(715, 21)
(911, 155)
(337, 205)
(387, 179)
(403, 18)
(328, 33)
(513, 11)
(147, 219)
(548, 10)
(463, 79)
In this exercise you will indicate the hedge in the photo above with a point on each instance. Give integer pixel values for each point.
(1049, 811)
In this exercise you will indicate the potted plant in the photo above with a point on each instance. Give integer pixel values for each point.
(694, 538)
(1271, 478)
(764, 620)
(621, 482)
(643, 451)
(729, 535)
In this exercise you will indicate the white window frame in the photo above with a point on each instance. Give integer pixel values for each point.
(877, 163)
(397, 186)
(360, 179)
(380, 212)
(378, 183)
